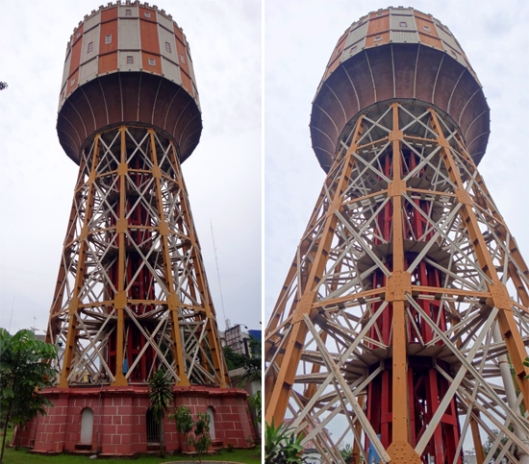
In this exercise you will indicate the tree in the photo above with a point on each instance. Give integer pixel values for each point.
(282, 446)
(256, 404)
(160, 396)
(252, 364)
(24, 369)
(347, 453)
(490, 441)
(233, 360)
(200, 439)
(3, 85)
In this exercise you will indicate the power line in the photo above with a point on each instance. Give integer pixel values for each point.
(226, 322)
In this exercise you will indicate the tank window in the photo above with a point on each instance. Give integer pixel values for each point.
(147, 14)
(167, 47)
(454, 53)
(353, 49)
(130, 59)
(108, 39)
(403, 24)
(72, 82)
(128, 13)
(182, 59)
(426, 28)
(379, 14)
(152, 62)
(78, 34)
(90, 47)
(378, 38)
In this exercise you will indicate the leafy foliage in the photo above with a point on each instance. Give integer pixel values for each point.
(233, 360)
(526, 363)
(183, 418)
(201, 441)
(253, 364)
(347, 453)
(200, 438)
(281, 445)
(490, 441)
(3, 85)
(255, 401)
(24, 368)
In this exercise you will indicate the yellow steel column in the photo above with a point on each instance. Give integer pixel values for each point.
(172, 299)
(120, 299)
(278, 400)
(500, 296)
(211, 325)
(398, 285)
(478, 446)
(74, 303)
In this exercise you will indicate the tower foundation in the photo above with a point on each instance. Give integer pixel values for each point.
(120, 423)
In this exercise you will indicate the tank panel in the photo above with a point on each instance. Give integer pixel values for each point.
(109, 13)
(129, 60)
(167, 44)
(66, 69)
(164, 21)
(402, 22)
(171, 70)
(151, 62)
(108, 63)
(353, 49)
(73, 82)
(357, 34)
(149, 37)
(446, 37)
(378, 24)
(108, 37)
(128, 11)
(147, 14)
(76, 52)
(90, 48)
(92, 21)
(88, 70)
(377, 39)
(402, 36)
(129, 33)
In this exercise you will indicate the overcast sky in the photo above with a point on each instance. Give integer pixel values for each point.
(299, 39)
(223, 175)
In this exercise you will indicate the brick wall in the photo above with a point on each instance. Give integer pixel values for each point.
(119, 420)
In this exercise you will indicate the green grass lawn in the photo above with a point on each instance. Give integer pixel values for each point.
(22, 456)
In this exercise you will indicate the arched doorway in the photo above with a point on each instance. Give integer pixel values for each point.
(87, 425)
(209, 412)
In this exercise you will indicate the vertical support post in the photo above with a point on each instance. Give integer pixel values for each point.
(81, 264)
(398, 284)
(120, 299)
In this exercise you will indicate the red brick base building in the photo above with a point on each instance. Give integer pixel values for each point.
(114, 421)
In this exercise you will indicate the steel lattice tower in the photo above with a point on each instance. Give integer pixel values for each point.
(403, 323)
(132, 297)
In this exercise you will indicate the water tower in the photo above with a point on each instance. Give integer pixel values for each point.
(403, 324)
(131, 296)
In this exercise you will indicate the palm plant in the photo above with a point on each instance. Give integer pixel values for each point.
(282, 446)
(160, 396)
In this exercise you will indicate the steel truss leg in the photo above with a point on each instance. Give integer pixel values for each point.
(383, 332)
(131, 295)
